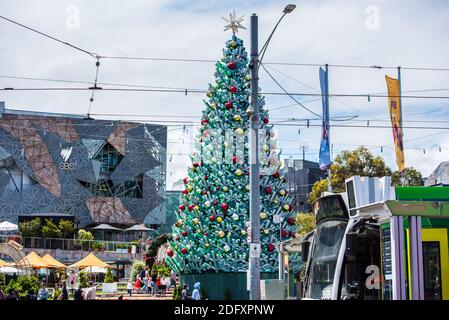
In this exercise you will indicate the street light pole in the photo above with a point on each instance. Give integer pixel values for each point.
(254, 170)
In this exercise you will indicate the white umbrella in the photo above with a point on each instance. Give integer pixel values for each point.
(8, 226)
(11, 270)
(96, 269)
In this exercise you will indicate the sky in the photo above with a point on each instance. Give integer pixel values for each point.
(404, 33)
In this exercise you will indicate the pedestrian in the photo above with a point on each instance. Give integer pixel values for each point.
(91, 292)
(184, 293)
(172, 280)
(78, 295)
(196, 292)
(12, 295)
(43, 293)
(129, 287)
(153, 282)
(72, 281)
(64, 294)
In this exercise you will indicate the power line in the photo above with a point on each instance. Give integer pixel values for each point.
(92, 54)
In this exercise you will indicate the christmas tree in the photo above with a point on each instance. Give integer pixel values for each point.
(211, 231)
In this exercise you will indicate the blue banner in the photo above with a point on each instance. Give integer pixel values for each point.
(325, 156)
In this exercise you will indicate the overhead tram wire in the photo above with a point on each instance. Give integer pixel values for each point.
(94, 88)
(92, 54)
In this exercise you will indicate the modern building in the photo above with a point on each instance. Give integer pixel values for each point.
(439, 176)
(98, 171)
(301, 175)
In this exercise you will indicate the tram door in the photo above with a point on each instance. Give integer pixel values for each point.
(435, 263)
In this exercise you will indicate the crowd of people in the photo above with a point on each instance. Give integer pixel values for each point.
(151, 283)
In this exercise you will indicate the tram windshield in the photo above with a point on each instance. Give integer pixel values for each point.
(323, 258)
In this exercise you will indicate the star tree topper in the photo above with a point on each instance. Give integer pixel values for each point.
(234, 23)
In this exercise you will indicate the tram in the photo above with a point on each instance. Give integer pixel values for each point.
(365, 244)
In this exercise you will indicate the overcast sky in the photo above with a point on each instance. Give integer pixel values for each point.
(356, 32)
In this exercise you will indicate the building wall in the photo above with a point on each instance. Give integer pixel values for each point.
(96, 170)
(301, 175)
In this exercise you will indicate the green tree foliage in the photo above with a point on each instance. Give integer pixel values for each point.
(30, 228)
(83, 280)
(108, 278)
(409, 177)
(2, 281)
(359, 162)
(306, 222)
(28, 284)
(51, 230)
(177, 293)
(136, 267)
(84, 235)
(66, 227)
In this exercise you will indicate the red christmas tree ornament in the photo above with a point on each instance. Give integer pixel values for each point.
(185, 191)
(169, 253)
(216, 202)
(247, 173)
(184, 233)
(270, 247)
(233, 89)
(291, 221)
(234, 159)
(268, 189)
(184, 250)
(265, 120)
(204, 121)
(291, 208)
(185, 180)
(284, 233)
(205, 177)
(212, 218)
(190, 207)
(224, 206)
(232, 65)
(228, 105)
(182, 207)
(276, 175)
(195, 164)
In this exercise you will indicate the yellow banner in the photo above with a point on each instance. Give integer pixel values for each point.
(394, 105)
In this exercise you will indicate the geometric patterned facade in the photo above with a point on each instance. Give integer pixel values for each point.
(99, 171)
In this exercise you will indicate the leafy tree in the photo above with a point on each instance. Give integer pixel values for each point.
(306, 222)
(359, 162)
(108, 278)
(136, 267)
(51, 230)
(28, 284)
(177, 293)
(84, 235)
(83, 280)
(30, 228)
(410, 177)
(2, 281)
(66, 228)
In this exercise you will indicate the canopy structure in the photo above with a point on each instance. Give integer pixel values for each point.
(8, 226)
(139, 227)
(90, 261)
(52, 261)
(10, 270)
(96, 270)
(35, 261)
(4, 264)
(105, 226)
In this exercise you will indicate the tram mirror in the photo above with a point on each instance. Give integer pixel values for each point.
(351, 246)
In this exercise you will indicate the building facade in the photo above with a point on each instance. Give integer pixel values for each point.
(99, 171)
(301, 175)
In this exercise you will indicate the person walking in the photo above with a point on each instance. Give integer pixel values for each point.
(64, 294)
(184, 293)
(78, 295)
(196, 291)
(43, 293)
(72, 279)
(129, 287)
(153, 282)
(172, 280)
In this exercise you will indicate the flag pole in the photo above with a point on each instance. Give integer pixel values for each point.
(326, 119)
(401, 174)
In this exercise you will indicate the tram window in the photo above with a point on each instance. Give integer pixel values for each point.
(360, 279)
(329, 207)
(432, 270)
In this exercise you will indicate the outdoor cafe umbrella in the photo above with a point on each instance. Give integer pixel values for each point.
(90, 261)
(10, 270)
(6, 226)
(104, 227)
(139, 228)
(35, 261)
(52, 261)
